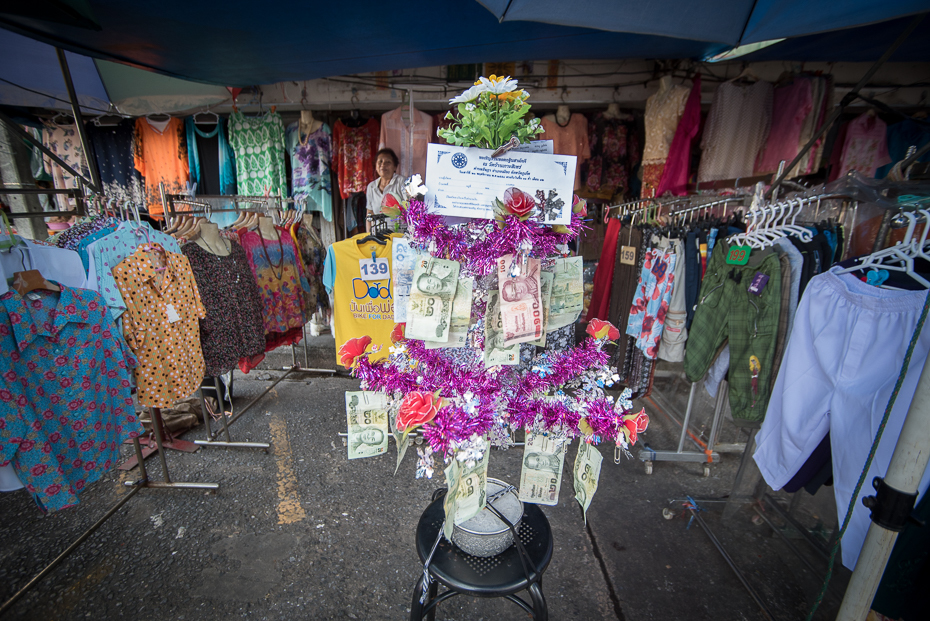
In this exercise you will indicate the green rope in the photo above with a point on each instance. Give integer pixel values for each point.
(868, 462)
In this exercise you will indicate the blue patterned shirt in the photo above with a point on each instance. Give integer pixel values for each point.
(65, 402)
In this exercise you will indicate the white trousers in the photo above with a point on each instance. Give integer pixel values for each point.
(839, 370)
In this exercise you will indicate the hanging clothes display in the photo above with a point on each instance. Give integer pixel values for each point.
(663, 112)
(569, 139)
(258, 143)
(360, 307)
(652, 297)
(615, 152)
(279, 276)
(312, 256)
(162, 323)
(861, 145)
(899, 137)
(112, 150)
(737, 128)
(160, 156)
(354, 150)
(728, 309)
(407, 138)
(65, 397)
(310, 167)
(599, 307)
(677, 167)
(818, 391)
(792, 104)
(232, 327)
(213, 175)
(63, 141)
(822, 103)
(108, 252)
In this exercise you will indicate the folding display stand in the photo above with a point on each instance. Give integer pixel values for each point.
(706, 453)
(221, 409)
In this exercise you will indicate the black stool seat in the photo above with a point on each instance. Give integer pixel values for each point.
(495, 576)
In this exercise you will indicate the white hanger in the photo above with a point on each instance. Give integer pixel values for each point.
(898, 256)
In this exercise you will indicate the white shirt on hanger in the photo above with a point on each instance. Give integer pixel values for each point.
(57, 264)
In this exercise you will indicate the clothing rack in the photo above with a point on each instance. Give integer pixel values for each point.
(710, 452)
(259, 203)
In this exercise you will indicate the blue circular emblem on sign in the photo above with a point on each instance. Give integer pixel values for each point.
(459, 160)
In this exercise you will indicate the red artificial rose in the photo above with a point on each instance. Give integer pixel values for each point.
(579, 205)
(417, 408)
(390, 206)
(518, 203)
(599, 328)
(352, 349)
(397, 334)
(634, 424)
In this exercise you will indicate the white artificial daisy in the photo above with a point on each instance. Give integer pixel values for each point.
(498, 85)
(469, 95)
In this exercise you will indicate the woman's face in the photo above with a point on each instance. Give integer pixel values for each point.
(384, 166)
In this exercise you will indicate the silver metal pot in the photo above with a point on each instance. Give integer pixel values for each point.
(485, 534)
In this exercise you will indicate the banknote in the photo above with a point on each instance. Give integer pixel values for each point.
(521, 303)
(461, 316)
(541, 476)
(402, 260)
(467, 490)
(545, 290)
(429, 313)
(567, 299)
(495, 353)
(367, 421)
(586, 474)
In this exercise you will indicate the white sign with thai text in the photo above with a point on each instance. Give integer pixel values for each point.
(464, 181)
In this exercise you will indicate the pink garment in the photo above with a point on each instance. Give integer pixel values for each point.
(675, 174)
(791, 104)
(864, 147)
(395, 134)
(572, 139)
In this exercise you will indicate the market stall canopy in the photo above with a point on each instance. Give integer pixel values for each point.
(31, 77)
(235, 43)
(734, 22)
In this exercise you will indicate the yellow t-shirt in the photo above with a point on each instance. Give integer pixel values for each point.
(362, 307)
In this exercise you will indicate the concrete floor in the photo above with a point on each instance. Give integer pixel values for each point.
(303, 533)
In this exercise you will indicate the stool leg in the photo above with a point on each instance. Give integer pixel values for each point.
(416, 608)
(433, 589)
(540, 610)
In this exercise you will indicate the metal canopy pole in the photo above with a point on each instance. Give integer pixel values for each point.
(847, 99)
(79, 121)
(907, 467)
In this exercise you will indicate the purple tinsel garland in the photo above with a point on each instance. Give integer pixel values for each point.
(502, 390)
(478, 244)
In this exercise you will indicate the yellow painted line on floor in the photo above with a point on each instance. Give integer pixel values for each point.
(289, 508)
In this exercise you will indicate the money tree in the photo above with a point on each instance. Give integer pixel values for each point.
(478, 357)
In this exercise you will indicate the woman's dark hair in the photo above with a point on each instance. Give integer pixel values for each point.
(390, 153)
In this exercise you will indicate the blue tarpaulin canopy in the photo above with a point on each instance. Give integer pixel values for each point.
(733, 22)
(235, 43)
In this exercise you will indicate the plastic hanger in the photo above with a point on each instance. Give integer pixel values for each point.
(206, 121)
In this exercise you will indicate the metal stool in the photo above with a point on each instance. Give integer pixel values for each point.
(494, 576)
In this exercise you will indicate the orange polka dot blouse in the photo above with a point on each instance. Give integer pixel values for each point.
(162, 325)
